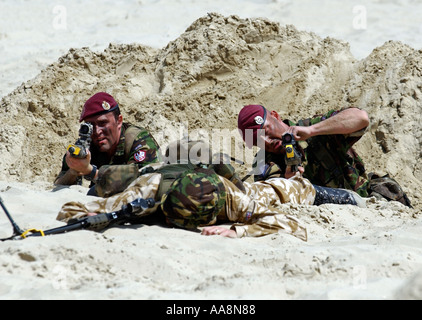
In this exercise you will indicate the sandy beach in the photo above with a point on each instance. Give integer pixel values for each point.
(200, 74)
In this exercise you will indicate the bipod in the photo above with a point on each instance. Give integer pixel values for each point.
(16, 230)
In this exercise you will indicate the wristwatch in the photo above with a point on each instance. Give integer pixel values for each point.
(91, 176)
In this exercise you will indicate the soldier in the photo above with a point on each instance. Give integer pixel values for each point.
(114, 142)
(328, 155)
(329, 159)
(191, 196)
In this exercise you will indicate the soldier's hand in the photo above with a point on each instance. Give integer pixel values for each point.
(81, 166)
(300, 133)
(219, 231)
(289, 174)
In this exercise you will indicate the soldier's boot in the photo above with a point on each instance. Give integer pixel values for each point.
(337, 196)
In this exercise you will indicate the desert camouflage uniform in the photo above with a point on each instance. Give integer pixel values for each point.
(328, 160)
(256, 212)
(145, 186)
(136, 146)
(260, 211)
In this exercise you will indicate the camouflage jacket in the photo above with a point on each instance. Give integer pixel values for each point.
(256, 211)
(136, 146)
(328, 160)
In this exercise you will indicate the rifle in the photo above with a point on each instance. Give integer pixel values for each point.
(95, 223)
(293, 157)
(81, 146)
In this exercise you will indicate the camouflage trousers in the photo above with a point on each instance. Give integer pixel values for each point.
(262, 209)
(257, 212)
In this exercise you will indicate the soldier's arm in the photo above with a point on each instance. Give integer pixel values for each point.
(73, 169)
(145, 186)
(265, 225)
(68, 178)
(275, 222)
(67, 175)
(344, 122)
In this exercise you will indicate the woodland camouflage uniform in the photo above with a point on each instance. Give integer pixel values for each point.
(328, 160)
(136, 146)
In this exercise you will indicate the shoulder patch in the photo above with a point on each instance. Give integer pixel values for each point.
(140, 156)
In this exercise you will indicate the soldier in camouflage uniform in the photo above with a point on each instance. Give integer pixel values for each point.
(328, 157)
(200, 198)
(114, 145)
(256, 212)
(199, 195)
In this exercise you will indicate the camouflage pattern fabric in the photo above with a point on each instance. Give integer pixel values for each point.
(197, 151)
(182, 152)
(329, 161)
(145, 186)
(221, 165)
(262, 211)
(194, 199)
(257, 211)
(115, 179)
(136, 146)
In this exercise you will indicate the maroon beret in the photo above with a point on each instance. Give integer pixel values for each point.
(251, 117)
(98, 104)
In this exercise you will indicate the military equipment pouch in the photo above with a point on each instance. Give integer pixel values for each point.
(169, 174)
(223, 168)
(106, 185)
(173, 171)
(387, 188)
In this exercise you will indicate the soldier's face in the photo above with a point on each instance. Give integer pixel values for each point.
(106, 132)
(274, 130)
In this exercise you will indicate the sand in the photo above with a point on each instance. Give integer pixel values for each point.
(201, 80)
